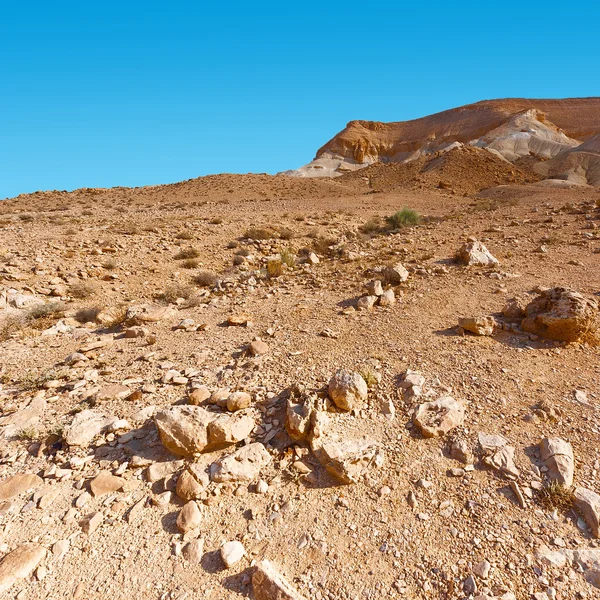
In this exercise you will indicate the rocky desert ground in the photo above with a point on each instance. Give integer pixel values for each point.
(379, 385)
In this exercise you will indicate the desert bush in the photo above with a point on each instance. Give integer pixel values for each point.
(87, 314)
(71, 231)
(190, 252)
(10, 326)
(191, 263)
(403, 218)
(286, 233)
(184, 235)
(175, 291)
(83, 289)
(373, 225)
(369, 374)
(259, 233)
(215, 221)
(556, 496)
(322, 245)
(205, 278)
(42, 316)
(287, 257)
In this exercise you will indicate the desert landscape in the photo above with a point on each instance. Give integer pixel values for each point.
(375, 376)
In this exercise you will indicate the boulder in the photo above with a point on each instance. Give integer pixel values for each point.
(475, 253)
(557, 456)
(244, 464)
(18, 484)
(395, 274)
(562, 314)
(19, 564)
(268, 584)
(435, 419)
(348, 390)
(239, 401)
(478, 325)
(183, 429)
(229, 429)
(588, 503)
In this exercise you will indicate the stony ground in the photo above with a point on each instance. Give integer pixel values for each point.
(152, 298)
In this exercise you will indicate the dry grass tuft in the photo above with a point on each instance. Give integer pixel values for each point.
(556, 496)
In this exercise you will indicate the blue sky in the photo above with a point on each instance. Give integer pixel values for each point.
(134, 93)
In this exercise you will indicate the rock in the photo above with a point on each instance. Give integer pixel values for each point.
(19, 564)
(26, 418)
(503, 460)
(192, 483)
(588, 503)
(114, 391)
(482, 569)
(193, 551)
(47, 497)
(549, 557)
(491, 443)
(238, 320)
(60, 548)
(312, 259)
(478, 325)
(366, 302)
(244, 464)
(232, 553)
(348, 390)
(588, 562)
(374, 288)
(557, 456)
(19, 484)
(137, 331)
(258, 347)
(226, 430)
(189, 517)
(387, 298)
(470, 585)
(268, 584)
(461, 452)
(146, 313)
(395, 274)
(475, 253)
(86, 426)
(183, 429)
(298, 417)
(238, 401)
(160, 470)
(199, 395)
(513, 311)
(562, 314)
(106, 483)
(435, 419)
(92, 522)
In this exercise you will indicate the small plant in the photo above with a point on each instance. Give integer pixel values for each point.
(42, 316)
(556, 496)
(274, 268)
(71, 231)
(369, 374)
(190, 263)
(83, 289)
(205, 278)
(10, 326)
(403, 218)
(259, 233)
(87, 314)
(184, 235)
(373, 225)
(215, 221)
(190, 252)
(175, 291)
(27, 434)
(287, 258)
(285, 233)
(322, 245)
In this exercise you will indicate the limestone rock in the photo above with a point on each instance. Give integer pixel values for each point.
(18, 484)
(268, 584)
(183, 429)
(28, 417)
(189, 517)
(374, 288)
(92, 522)
(395, 274)
(588, 561)
(232, 553)
(475, 253)
(193, 481)
(558, 457)
(106, 483)
(298, 417)
(199, 395)
(588, 503)
(562, 314)
(435, 419)
(160, 470)
(387, 298)
(244, 464)
(193, 551)
(238, 401)
(19, 564)
(226, 430)
(513, 311)
(478, 325)
(348, 390)
(146, 313)
(113, 391)
(86, 426)
(258, 347)
(366, 302)
(503, 461)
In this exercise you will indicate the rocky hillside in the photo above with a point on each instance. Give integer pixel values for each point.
(512, 128)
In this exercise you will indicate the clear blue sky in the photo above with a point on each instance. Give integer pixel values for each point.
(134, 93)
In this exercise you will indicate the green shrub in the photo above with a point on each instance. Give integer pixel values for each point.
(403, 218)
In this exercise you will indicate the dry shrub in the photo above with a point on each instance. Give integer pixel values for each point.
(556, 496)
(287, 257)
(190, 252)
(190, 263)
(286, 233)
(205, 278)
(10, 326)
(216, 221)
(322, 245)
(87, 314)
(373, 225)
(83, 289)
(175, 291)
(43, 316)
(259, 233)
(184, 235)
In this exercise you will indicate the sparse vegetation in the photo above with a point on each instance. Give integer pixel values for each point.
(205, 278)
(87, 314)
(556, 496)
(83, 289)
(184, 235)
(175, 291)
(274, 268)
(190, 263)
(373, 225)
(287, 257)
(259, 233)
(403, 218)
(190, 252)
(369, 374)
